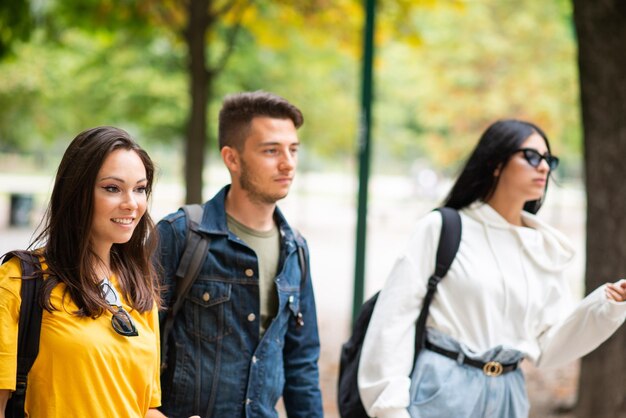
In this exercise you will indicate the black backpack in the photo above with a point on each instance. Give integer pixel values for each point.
(350, 405)
(29, 328)
(194, 253)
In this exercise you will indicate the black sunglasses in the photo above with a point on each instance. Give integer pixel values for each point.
(121, 321)
(534, 158)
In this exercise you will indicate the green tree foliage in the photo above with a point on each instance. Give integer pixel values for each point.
(16, 24)
(444, 70)
(56, 89)
(477, 62)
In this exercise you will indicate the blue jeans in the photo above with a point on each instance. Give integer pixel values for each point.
(442, 387)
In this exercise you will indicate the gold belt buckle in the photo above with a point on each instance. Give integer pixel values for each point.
(492, 368)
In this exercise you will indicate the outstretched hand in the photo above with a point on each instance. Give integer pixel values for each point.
(616, 291)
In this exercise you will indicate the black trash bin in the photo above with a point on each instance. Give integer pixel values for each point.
(21, 208)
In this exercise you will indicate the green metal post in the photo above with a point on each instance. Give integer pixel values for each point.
(365, 124)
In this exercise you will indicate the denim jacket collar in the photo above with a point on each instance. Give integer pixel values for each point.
(214, 220)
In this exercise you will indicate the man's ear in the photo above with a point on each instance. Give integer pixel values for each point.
(230, 156)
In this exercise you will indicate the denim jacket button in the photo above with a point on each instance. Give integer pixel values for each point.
(249, 272)
(254, 359)
(206, 296)
(248, 401)
(291, 299)
(251, 317)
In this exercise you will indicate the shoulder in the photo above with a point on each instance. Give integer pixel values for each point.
(428, 225)
(172, 217)
(171, 226)
(423, 238)
(10, 277)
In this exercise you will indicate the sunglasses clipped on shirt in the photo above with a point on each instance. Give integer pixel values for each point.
(121, 321)
(534, 158)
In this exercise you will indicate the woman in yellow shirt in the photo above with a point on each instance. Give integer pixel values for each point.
(98, 354)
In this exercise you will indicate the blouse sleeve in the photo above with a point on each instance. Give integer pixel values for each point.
(580, 328)
(388, 350)
(10, 300)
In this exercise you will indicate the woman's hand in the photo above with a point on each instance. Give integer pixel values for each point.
(616, 291)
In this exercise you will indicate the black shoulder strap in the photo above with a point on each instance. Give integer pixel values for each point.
(194, 254)
(196, 248)
(449, 242)
(302, 260)
(29, 328)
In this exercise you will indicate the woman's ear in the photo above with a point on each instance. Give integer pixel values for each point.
(497, 171)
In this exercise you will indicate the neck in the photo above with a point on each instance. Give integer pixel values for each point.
(511, 211)
(102, 263)
(251, 213)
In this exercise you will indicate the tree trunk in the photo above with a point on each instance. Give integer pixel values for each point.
(601, 30)
(195, 36)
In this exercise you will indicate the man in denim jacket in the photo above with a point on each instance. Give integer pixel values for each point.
(238, 344)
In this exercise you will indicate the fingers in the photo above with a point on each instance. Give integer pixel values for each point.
(616, 291)
(612, 294)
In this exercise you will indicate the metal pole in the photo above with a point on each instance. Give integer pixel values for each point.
(365, 123)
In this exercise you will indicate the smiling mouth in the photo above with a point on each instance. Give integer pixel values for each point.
(123, 221)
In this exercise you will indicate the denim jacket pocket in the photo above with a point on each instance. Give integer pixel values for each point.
(207, 314)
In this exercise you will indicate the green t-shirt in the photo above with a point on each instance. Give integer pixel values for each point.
(266, 245)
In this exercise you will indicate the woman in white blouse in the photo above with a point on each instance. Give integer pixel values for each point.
(505, 297)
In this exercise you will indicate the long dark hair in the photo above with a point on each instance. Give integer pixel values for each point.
(494, 149)
(66, 229)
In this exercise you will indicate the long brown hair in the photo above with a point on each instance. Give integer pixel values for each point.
(66, 230)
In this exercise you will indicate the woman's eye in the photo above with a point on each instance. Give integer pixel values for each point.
(142, 189)
(111, 189)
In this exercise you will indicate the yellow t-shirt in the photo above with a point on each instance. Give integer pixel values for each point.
(84, 368)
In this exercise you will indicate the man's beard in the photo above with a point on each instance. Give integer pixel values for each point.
(254, 192)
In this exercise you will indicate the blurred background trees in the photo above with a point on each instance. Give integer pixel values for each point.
(444, 70)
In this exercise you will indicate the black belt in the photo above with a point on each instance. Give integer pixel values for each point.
(490, 368)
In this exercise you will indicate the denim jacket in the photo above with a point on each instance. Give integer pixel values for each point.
(218, 364)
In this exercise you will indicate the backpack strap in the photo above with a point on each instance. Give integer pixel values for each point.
(194, 253)
(29, 327)
(449, 243)
(302, 261)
